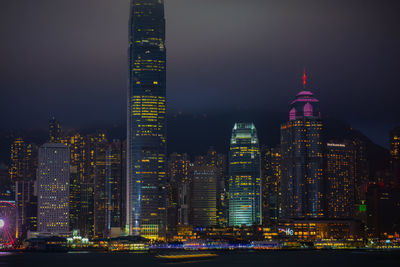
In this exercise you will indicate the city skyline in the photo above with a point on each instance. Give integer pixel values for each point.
(214, 167)
(273, 75)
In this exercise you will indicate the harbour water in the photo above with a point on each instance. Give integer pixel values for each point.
(324, 258)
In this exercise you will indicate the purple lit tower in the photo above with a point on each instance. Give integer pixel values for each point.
(302, 159)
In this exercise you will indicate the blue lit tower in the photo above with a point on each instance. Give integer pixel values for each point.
(146, 142)
(302, 182)
(244, 176)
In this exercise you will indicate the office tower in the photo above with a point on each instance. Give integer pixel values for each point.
(244, 176)
(340, 179)
(92, 185)
(302, 184)
(146, 142)
(395, 153)
(383, 210)
(178, 185)
(100, 199)
(26, 203)
(75, 143)
(22, 160)
(54, 131)
(204, 195)
(53, 189)
(271, 175)
(219, 161)
(114, 187)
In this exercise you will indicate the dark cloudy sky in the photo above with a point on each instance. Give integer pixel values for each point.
(67, 58)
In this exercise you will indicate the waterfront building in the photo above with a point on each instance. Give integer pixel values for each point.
(302, 181)
(26, 203)
(146, 130)
(271, 175)
(178, 190)
(76, 144)
(100, 198)
(340, 180)
(203, 195)
(383, 211)
(244, 176)
(115, 187)
(53, 189)
(92, 186)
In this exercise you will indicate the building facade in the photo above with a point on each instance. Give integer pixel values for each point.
(244, 176)
(115, 186)
(146, 142)
(302, 182)
(203, 195)
(53, 189)
(340, 180)
(271, 176)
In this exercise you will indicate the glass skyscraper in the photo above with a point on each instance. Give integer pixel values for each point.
(302, 185)
(146, 142)
(244, 176)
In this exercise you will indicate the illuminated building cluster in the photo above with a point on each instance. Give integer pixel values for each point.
(88, 191)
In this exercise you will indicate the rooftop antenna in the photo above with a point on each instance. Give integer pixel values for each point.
(304, 79)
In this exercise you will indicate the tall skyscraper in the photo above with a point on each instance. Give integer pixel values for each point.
(271, 176)
(302, 183)
(146, 131)
(92, 212)
(340, 180)
(178, 185)
(203, 195)
(114, 187)
(244, 176)
(53, 189)
(76, 144)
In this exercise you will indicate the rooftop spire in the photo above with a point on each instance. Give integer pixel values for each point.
(304, 78)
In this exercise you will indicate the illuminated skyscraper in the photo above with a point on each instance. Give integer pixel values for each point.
(76, 144)
(92, 216)
(114, 186)
(203, 195)
(244, 176)
(340, 180)
(146, 142)
(271, 175)
(178, 185)
(302, 183)
(53, 189)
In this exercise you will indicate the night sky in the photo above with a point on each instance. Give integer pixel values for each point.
(68, 58)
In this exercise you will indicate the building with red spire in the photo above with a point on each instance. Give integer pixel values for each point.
(302, 187)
